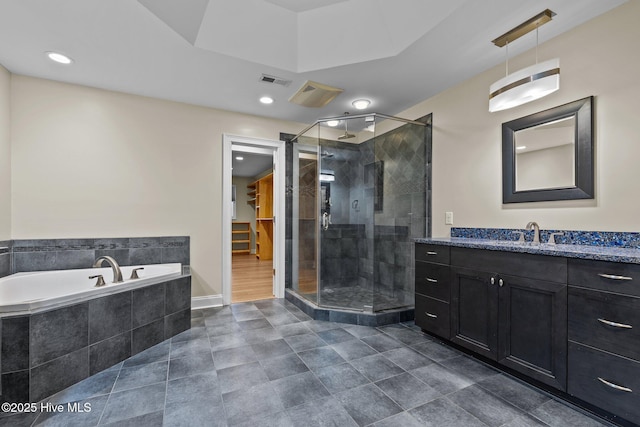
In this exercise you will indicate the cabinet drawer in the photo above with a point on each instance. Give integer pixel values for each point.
(606, 276)
(432, 253)
(547, 268)
(432, 315)
(433, 280)
(590, 316)
(587, 364)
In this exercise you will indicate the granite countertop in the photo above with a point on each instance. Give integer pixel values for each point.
(600, 253)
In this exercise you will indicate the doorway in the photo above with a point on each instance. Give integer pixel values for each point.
(253, 243)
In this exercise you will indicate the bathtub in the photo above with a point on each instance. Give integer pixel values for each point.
(43, 290)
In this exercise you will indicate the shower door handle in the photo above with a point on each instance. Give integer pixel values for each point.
(326, 221)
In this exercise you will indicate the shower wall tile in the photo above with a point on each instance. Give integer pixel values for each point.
(143, 256)
(74, 258)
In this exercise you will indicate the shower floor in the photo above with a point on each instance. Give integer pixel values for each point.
(353, 297)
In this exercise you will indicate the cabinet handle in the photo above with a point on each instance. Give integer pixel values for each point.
(615, 386)
(433, 316)
(501, 282)
(614, 324)
(432, 253)
(614, 277)
(429, 279)
(493, 280)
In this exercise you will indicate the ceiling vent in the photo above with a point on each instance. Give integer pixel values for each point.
(316, 95)
(275, 80)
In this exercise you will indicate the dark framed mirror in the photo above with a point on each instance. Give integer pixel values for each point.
(549, 155)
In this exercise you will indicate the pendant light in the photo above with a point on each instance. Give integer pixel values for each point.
(530, 83)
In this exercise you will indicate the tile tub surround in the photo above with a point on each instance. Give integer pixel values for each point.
(593, 252)
(64, 254)
(5, 258)
(45, 352)
(226, 371)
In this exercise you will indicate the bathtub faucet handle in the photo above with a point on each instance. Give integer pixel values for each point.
(134, 273)
(100, 281)
(117, 274)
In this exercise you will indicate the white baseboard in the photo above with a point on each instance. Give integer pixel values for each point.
(207, 301)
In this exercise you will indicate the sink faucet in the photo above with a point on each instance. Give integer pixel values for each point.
(536, 231)
(117, 274)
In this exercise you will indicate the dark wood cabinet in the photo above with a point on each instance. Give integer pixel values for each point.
(433, 289)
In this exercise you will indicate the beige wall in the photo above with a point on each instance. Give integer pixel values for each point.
(93, 163)
(597, 58)
(5, 154)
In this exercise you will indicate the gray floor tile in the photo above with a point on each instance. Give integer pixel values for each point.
(223, 342)
(335, 336)
(217, 330)
(407, 358)
(243, 306)
(407, 391)
(190, 365)
(133, 403)
(520, 395)
(89, 416)
(142, 375)
(254, 336)
(96, 385)
(353, 349)
(305, 342)
(271, 349)
(241, 377)
(444, 413)
(436, 351)
(376, 367)
(299, 389)
(259, 400)
(362, 331)
(254, 324)
(404, 335)
(557, 414)
(219, 319)
(367, 404)
(292, 329)
(525, 420)
(470, 368)
(382, 342)
(25, 419)
(277, 419)
(233, 357)
(320, 357)
(193, 413)
(153, 354)
(203, 388)
(403, 419)
(320, 413)
(189, 348)
(153, 419)
(488, 408)
(190, 334)
(282, 319)
(341, 377)
(442, 379)
(321, 325)
(283, 366)
(248, 315)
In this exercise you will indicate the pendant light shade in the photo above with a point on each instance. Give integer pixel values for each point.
(525, 85)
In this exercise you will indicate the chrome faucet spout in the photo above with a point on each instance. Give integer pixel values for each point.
(536, 231)
(117, 274)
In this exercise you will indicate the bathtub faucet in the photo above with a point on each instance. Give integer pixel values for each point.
(117, 274)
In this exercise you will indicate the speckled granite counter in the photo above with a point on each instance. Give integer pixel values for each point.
(601, 253)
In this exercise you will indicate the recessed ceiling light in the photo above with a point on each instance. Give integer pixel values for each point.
(361, 104)
(266, 100)
(521, 147)
(333, 123)
(239, 158)
(59, 58)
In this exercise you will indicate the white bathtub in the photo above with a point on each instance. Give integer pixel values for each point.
(23, 293)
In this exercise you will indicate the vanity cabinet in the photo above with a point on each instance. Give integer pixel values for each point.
(511, 308)
(433, 288)
(604, 336)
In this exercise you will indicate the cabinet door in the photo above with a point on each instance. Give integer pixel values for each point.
(474, 311)
(532, 329)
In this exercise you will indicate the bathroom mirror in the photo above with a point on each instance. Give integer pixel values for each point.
(549, 155)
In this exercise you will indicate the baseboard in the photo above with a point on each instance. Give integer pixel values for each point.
(207, 301)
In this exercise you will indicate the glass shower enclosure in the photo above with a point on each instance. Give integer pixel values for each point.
(359, 200)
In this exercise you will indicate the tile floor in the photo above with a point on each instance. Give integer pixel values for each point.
(354, 297)
(267, 364)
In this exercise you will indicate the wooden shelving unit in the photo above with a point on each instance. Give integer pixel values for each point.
(240, 237)
(264, 216)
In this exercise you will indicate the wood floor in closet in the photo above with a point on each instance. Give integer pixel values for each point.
(251, 278)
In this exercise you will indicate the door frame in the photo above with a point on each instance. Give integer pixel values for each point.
(278, 147)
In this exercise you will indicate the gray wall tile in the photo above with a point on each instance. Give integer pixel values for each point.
(107, 353)
(147, 336)
(143, 256)
(33, 261)
(109, 316)
(147, 304)
(69, 259)
(15, 387)
(58, 332)
(15, 343)
(177, 295)
(59, 374)
(177, 322)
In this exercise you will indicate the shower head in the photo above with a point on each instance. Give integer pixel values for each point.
(325, 154)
